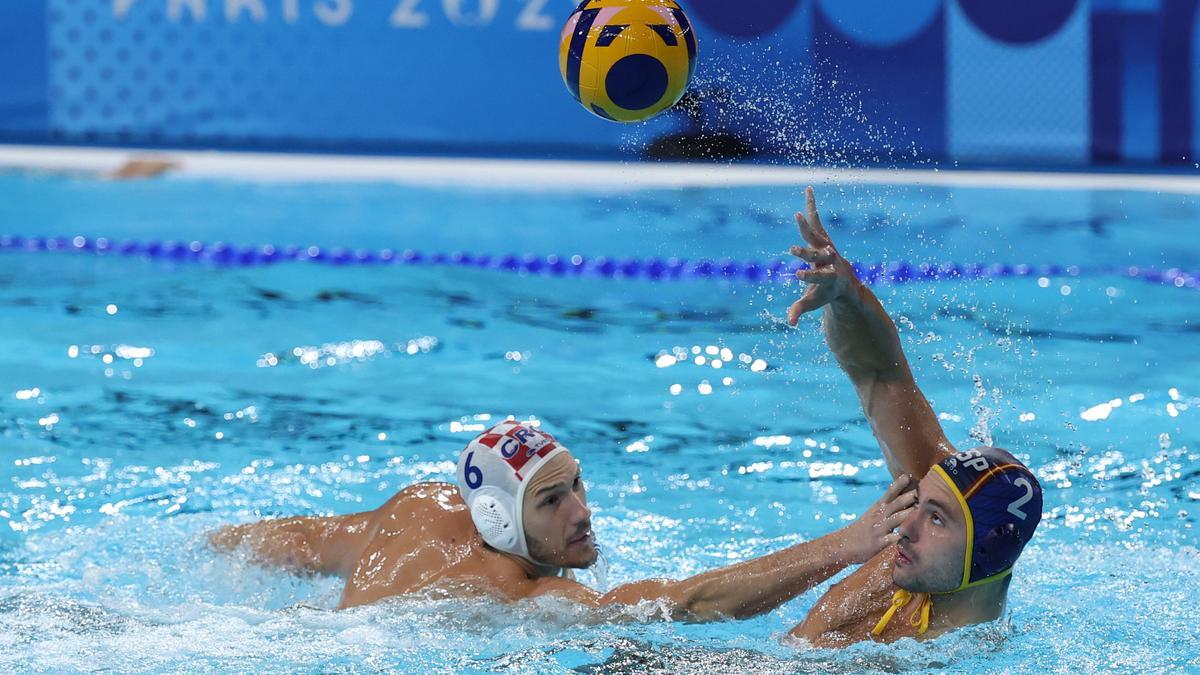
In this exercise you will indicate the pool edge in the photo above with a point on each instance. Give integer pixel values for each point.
(583, 175)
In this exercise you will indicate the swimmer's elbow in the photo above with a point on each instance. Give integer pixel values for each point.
(725, 603)
(637, 592)
(224, 538)
(825, 639)
(703, 603)
(673, 598)
(809, 630)
(703, 610)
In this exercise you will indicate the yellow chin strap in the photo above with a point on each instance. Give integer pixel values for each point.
(920, 617)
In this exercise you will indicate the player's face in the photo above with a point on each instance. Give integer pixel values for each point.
(558, 522)
(933, 541)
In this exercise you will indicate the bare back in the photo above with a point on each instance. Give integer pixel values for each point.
(423, 537)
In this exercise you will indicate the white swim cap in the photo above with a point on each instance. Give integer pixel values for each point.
(493, 471)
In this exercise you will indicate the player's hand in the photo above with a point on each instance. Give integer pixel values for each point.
(875, 529)
(830, 276)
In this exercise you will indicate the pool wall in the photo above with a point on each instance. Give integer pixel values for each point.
(1025, 82)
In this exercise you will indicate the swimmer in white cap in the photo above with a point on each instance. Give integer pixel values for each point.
(516, 524)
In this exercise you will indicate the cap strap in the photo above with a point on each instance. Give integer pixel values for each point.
(919, 618)
(899, 599)
(966, 576)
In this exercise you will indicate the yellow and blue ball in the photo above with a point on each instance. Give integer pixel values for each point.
(627, 60)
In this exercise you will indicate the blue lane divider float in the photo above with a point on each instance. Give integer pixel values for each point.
(653, 269)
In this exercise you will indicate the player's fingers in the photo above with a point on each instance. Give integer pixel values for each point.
(809, 234)
(899, 502)
(816, 276)
(892, 500)
(899, 485)
(812, 217)
(817, 256)
(804, 253)
(807, 303)
(893, 521)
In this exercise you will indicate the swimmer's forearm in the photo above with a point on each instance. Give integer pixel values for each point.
(745, 589)
(863, 337)
(756, 586)
(866, 344)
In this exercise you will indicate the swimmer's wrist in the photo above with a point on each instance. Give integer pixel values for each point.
(843, 549)
(851, 298)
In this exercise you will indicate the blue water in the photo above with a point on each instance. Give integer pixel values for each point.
(128, 435)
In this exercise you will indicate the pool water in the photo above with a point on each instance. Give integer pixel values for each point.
(146, 403)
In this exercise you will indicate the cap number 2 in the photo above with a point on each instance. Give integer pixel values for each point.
(1015, 507)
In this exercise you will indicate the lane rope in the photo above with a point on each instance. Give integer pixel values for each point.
(223, 254)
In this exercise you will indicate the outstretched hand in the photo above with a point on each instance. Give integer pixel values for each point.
(830, 276)
(875, 529)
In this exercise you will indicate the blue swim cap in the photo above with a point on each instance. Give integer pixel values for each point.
(1002, 504)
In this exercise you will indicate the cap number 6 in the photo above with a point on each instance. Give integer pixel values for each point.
(474, 476)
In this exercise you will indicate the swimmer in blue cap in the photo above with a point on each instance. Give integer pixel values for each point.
(976, 509)
(515, 526)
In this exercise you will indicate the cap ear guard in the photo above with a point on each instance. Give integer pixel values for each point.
(492, 513)
(493, 472)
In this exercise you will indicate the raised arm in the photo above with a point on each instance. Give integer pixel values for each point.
(760, 585)
(867, 346)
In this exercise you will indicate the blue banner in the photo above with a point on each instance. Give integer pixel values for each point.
(828, 81)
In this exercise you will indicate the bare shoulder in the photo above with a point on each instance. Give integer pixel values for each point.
(423, 538)
(848, 609)
(420, 515)
(426, 495)
(519, 586)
